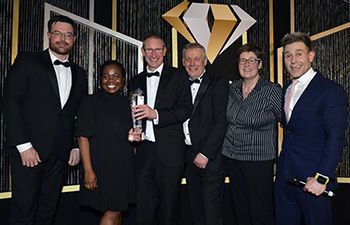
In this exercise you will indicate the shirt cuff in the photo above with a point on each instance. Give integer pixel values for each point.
(24, 147)
(156, 120)
(203, 155)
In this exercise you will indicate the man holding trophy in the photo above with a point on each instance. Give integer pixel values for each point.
(160, 157)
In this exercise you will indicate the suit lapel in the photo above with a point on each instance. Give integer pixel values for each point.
(74, 83)
(306, 96)
(51, 74)
(163, 84)
(202, 88)
(141, 83)
(284, 119)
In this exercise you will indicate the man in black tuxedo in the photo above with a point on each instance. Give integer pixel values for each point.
(204, 135)
(160, 157)
(41, 97)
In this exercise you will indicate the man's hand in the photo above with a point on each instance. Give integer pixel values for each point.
(135, 134)
(30, 157)
(90, 181)
(74, 157)
(144, 111)
(314, 187)
(200, 161)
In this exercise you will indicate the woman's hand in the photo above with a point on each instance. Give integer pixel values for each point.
(90, 181)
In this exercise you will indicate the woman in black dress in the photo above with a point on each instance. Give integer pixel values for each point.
(103, 122)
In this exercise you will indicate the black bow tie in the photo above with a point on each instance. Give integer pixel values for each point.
(65, 64)
(197, 81)
(153, 74)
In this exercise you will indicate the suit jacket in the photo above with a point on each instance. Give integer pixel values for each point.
(208, 122)
(32, 106)
(173, 103)
(315, 133)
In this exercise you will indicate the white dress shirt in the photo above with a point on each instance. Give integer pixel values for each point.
(300, 87)
(194, 91)
(64, 81)
(152, 88)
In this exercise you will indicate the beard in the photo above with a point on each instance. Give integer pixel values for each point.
(60, 47)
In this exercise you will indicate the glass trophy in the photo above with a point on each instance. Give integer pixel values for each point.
(136, 98)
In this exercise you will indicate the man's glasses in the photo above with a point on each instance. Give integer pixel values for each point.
(249, 61)
(68, 36)
(156, 50)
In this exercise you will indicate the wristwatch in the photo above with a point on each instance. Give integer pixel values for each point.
(321, 178)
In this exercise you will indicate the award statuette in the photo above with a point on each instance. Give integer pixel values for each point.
(136, 98)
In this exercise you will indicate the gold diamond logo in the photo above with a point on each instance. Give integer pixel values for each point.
(195, 28)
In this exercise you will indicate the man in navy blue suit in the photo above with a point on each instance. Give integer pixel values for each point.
(315, 121)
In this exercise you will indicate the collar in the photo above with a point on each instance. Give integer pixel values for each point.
(54, 58)
(159, 69)
(200, 78)
(306, 77)
(259, 84)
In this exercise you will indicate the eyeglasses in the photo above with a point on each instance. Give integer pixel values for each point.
(250, 61)
(157, 50)
(68, 36)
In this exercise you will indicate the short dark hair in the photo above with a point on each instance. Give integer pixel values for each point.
(63, 19)
(251, 48)
(153, 36)
(297, 37)
(194, 46)
(113, 62)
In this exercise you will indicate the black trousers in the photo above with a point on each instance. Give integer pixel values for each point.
(158, 188)
(36, 191)
(251, 185)
(205, 189)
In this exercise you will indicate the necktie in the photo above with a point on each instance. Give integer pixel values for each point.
(197, 81)
(288, 99)
(65, 64)
(153, 74)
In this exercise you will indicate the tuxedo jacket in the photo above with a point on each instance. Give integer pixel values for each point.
(315, 134)
(208, 122)
(174, 106)
(32, 107)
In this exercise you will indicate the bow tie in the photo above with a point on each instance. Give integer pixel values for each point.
(197, 81)
(153, 74)
(65, 64)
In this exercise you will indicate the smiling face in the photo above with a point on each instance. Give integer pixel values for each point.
(194, 62)
(249, 65)
(297, 59)
(112, 80)
(61, 39)
(154, 51)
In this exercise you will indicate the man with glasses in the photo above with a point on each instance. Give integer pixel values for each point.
(160, 157)
(41, 97)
